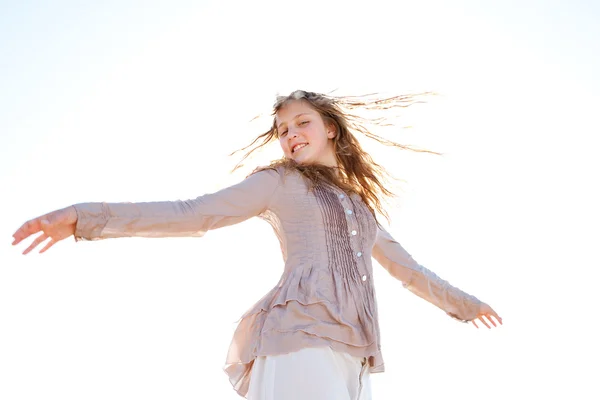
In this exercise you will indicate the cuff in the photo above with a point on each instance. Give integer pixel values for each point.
(91, 220)
(469, 310)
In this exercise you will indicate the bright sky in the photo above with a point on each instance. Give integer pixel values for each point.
(140, 101)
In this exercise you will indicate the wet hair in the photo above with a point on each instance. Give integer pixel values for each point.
(356, 171)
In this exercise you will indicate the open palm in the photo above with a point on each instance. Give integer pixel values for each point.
(56, 226)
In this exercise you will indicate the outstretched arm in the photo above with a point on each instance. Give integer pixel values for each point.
(427, 285)
(195, 217)
(95, 221)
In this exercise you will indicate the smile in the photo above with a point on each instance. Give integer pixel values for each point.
(298, 147)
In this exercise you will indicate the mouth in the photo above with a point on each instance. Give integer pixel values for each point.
(298, 147)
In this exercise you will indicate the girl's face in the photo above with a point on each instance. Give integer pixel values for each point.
(303, 135)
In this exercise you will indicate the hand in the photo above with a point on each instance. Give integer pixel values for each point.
(56, 225)
(487, 312)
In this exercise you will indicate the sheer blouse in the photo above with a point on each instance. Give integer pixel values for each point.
(325, 296)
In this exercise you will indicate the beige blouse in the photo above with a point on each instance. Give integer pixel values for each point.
(325, 296)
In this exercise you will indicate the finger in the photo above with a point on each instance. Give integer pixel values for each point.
(491, 312)
(490, 319)
(498, 318)
(37, 241)
(474, 323)
(48, 245)
(27, 229)
(485, 323)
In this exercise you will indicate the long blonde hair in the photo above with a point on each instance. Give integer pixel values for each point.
(357, 172)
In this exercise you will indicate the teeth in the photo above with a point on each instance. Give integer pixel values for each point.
(298, 147)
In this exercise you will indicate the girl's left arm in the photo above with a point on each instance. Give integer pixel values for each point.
(423, 282)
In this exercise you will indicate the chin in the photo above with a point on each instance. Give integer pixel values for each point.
(303, 160)
(300, 159)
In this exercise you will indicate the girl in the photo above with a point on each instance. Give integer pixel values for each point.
(315, 335)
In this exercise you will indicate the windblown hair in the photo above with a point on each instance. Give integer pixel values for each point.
(356, 171)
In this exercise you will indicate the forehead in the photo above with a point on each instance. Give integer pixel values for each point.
(289, 111)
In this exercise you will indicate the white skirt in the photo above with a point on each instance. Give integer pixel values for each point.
(311, 373)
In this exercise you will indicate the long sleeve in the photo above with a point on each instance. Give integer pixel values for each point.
(421, 281)
(179, 218)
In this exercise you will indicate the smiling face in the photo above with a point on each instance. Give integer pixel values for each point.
(303, 135)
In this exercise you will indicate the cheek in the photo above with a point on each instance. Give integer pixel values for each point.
(317, 138)
(284, 147)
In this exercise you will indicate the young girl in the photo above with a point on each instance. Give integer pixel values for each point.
(315, 335)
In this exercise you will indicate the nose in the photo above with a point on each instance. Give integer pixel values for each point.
(292, 133)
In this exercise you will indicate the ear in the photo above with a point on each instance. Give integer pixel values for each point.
(331, 133)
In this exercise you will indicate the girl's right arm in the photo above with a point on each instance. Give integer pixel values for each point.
(179, 218)
(95, 221)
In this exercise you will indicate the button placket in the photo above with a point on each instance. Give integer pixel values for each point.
(352, 223)
(359, 242)
(348, 212)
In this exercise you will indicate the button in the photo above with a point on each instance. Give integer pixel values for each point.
(342, 196)
(364, 278)
(359, 254)
(348, 212)
(353, 233)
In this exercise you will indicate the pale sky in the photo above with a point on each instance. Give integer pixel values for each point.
(143, 100)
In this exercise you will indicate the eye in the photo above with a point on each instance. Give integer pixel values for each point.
(282, 133)
(303, 123)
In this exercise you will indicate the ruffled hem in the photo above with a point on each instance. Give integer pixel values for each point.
(297, 314)
(257, 336)
(296, 287)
